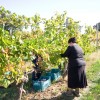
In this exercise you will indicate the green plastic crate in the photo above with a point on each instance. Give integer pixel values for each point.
(54, 74)
(41, 84)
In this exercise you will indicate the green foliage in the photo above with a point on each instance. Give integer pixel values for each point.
(11, 21)
(13, 50)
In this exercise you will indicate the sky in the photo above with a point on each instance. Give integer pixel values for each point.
(85, 11)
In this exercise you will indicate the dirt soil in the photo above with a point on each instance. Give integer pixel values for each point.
(57, 91)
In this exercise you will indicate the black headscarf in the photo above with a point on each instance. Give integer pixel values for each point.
(73, 40)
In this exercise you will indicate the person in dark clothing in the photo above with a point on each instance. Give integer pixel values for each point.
(36, 74)
(76, 67)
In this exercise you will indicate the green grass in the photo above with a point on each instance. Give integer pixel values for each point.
(93, 71)
(93, 75)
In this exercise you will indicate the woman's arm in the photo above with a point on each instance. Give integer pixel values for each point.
(67, 52)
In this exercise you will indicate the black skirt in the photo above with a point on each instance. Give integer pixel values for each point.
(77, 77)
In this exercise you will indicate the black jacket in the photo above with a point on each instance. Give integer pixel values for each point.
(75, 56)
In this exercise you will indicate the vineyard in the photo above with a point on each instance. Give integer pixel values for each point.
(18, 46)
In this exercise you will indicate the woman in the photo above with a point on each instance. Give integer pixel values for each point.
(76, 67)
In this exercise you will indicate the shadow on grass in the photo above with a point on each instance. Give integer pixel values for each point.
(63, 96)
(11, 93)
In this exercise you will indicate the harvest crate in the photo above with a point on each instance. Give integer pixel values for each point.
(42, 83)
(54, 74)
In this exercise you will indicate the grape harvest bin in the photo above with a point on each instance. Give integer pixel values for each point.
(42, 83)
(54, 74)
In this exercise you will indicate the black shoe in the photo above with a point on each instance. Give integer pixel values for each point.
(76, 94)
(69, 93)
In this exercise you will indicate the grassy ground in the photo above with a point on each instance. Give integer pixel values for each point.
(57, 90)
(93, 75)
